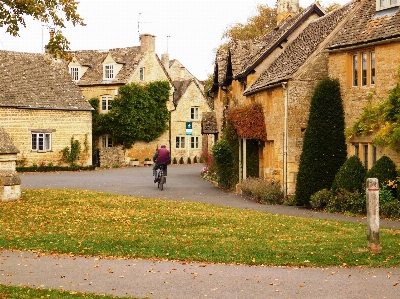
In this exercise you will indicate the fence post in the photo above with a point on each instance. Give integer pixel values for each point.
(373, 214)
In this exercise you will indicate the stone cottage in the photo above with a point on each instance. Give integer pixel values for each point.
(42, 109)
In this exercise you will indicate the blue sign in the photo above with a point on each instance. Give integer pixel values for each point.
(188, 128)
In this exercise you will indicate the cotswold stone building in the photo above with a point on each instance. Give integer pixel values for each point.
(41, 109)
(100, 73)
(365, 57)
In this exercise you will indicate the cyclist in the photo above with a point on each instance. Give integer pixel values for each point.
(162, 157)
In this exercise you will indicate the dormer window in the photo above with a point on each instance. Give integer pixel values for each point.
(108, 71)
(74, 71)
(385, 4)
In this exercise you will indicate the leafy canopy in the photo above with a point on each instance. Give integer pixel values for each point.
(54, 12)
(138, 113)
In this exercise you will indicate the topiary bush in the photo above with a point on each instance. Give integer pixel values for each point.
(385, 171)
(174, 161)
(223, 157)
(189, 161)
(181, 160)
(351, 176)
(195, 160)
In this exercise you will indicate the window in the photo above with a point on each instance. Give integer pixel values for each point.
(363, 72)
(180, 142)
(106, 141)
(365, 155)
(373, 155)
(355, 69)
(356, 150)
(41, 142)
(364, 69)
(194, 113)
(108, 71)
(194, 142)
(74, 71)
(106, 103)
(141, 74)
(384, 4)
(372, 63)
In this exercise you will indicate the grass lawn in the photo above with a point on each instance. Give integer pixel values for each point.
(94, 223)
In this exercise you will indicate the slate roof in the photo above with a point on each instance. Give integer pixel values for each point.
(37, 81)
(300, 49)
(245, 55)
(129, 57)
(367, 26)
(6, 144)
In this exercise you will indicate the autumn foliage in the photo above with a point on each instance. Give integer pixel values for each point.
(248, 121)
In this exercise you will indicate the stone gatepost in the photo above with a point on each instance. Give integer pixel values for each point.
(10, 183)
(373, 215)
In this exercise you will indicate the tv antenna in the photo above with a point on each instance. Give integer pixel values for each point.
(168, 36)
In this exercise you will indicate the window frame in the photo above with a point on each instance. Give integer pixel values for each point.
(363, 68)
(385, 4)
(41, 141)
(106, 141)
(372, 67)
(354, 70)
(194, 140)
(107, 99)
(108, 71)
(180, 142)
(142, 74)
(74, 72)
(194, 112)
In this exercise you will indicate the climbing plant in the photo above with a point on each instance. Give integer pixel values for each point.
(70, 155)
(138, 113)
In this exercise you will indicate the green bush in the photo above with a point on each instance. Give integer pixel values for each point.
(189, 161)
(223, 157)
(390, 210)
(320, 199)
(351, 176)
(174, 161)
(264, 191)
(385, 171)
(181, 160)
(385, 194)
(346, 201)
(195, 160)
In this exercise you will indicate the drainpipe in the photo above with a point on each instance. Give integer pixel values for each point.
(285, 139)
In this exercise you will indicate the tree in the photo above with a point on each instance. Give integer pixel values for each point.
(53, 12)
(324, 146)
(138, 113)
(258, 25)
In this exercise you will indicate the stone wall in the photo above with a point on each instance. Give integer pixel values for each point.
(62, 124)
(112, 156)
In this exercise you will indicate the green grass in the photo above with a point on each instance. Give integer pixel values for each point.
(12, 292)
(94, 223)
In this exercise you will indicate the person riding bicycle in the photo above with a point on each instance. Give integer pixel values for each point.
(162, 157)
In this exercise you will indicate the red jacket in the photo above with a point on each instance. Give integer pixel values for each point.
(163, 156)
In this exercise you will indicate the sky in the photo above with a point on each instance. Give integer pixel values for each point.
(188, 30)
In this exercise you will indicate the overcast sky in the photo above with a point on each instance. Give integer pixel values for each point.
(189, 30)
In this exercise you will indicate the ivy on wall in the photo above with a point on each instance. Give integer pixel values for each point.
(139, 113)
(248, 121)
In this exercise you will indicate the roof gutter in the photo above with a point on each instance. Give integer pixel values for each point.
(362, 45)
(63, 109)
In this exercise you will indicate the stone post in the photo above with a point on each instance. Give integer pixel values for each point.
(373, 214)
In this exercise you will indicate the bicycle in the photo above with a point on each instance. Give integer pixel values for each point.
(160, 178)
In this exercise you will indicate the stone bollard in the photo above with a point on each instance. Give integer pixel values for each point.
(373, 215)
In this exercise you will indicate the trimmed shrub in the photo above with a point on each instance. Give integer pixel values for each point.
(174, 161)
(263, 191)
(181, 160)
(189, 161)
(195, 160)
(346, 201)
(351, 176)
(384, 170)
(324, 146)
(390, 210)
(223, 157)
(320, 199)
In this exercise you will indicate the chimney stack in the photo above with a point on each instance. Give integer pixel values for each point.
(165, 61)
(182, 75)
(147, 43)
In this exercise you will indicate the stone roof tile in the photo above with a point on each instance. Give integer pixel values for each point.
(37, 81)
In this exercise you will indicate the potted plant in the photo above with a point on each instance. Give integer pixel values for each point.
(134, 162)
(148, 161)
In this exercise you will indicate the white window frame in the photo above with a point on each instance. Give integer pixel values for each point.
(141, 74)
(364, 69)
(105, 103)
(372, 67)
(194, 112)
(180, 142)
(109, 71)
(354, 70)
(41, 141)
(106, 141)
(194, 142)
(385, 4)
(75, 73)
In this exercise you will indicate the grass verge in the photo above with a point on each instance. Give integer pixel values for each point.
(93, 223)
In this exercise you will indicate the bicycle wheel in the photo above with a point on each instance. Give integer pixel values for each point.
(162, 183)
